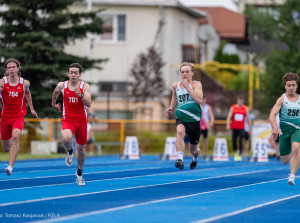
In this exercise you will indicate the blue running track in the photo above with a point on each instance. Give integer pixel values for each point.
(148, 190)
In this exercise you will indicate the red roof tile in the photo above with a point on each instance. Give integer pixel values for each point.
(229, 24)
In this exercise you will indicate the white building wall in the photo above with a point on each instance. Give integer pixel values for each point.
(141, 27)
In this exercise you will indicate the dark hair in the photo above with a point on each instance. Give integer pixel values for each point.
(290, 77)
(12, 60)
(241, 97)
(191, 65)
(76, 65)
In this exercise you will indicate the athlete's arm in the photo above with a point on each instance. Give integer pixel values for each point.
(1, 85)
(196, 90)
(55, 95)
(228, 119)
(86, 99)
(211, 116)
(29, 98)
(272, 117)
(173, 100)
(248, 120)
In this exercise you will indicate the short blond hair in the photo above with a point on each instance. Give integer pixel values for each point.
(191, 65)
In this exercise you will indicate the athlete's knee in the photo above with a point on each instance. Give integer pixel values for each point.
(181, 133)
(285, 160)
(296, 147)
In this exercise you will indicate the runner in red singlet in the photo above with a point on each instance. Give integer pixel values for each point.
(237, 114)
(13, 91)
(76, 97)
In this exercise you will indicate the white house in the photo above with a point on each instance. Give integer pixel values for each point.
(131, 27)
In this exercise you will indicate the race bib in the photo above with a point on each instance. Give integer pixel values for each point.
(238, 117)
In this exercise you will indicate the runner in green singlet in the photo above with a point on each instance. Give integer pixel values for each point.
(288, 107)
(188, 94)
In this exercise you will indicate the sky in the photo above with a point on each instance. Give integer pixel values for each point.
(224, 3)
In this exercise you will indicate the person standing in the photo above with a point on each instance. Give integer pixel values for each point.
(236, 121)
(13, 91)
(206, 122)
(76, 97)
(248, 133)
(288, 107)
(188, 94)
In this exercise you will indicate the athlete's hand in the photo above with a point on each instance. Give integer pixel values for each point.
(34, 113)
(1, 89)
(185, 83)
(57, 107)
(275, 133)
(77, 91)
(169, 111)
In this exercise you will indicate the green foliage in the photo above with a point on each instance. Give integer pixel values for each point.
(36, 32)
(240, 82)
(280, 62)
(263, 22)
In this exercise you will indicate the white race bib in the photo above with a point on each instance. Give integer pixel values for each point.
(238, 117)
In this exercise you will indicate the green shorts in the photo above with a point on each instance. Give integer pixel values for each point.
(286, 141)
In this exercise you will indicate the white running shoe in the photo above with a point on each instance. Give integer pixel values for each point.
(8, 170)
(69, 159)
(291, 180)
(80, 180)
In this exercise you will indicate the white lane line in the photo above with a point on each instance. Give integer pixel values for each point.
(245, 210)
(119, 178)
(147, 203)
(128, 188)
(110, 171)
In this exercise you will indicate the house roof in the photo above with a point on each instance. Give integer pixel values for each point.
(230, 25)
(168, 3)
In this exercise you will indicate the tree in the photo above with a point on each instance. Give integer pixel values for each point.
(147, 76)
(263, 22)
(36, 32)
(278, 61)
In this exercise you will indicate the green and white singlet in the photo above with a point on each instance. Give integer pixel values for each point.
(188, 110)
(289, 115)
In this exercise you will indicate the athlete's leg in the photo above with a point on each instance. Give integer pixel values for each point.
(205, 142)
(6, 144)
(180, 133)
(67, 138)
(295, 160)
(14, 149)
(195, 151)
(81, 153)
(241, 134)
(234, 139)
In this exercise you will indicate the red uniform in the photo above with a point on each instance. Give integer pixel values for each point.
(13, 108)
(74, 116)
(238, 116)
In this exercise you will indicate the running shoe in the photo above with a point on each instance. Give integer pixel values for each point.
(193, 164)
(179, 164)
(8, 170)
(291, 180)
(69, 159)
(80, 180)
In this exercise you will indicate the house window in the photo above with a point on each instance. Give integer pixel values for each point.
(112, 87)
(114, 28)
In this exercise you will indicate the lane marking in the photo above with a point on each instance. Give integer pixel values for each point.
(150, 202)
(109, 171)
(128, 188)
(118, 178)
(244, 210)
